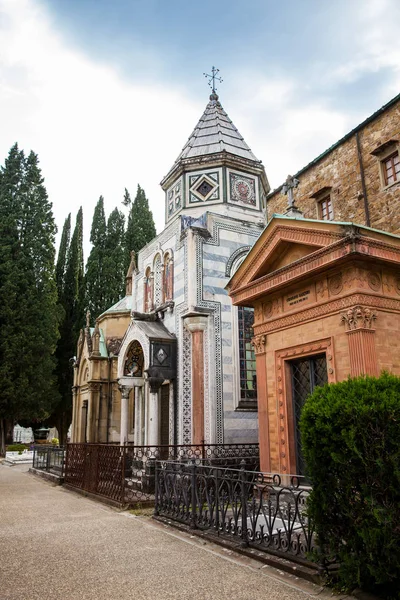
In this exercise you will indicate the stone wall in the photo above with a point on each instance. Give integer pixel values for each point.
(339, 169)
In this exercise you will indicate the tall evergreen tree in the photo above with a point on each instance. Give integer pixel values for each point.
(114, 260)
(72, 302)
(62, 256)
(94, 278)
(140, 229)
(28, 294)
(127, 198)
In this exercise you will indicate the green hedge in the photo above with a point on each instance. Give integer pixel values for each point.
(16, 448)
(351, 443)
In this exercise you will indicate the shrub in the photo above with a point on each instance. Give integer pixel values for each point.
(16, 448)
(351, 442)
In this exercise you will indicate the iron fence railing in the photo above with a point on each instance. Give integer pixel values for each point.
(49, 458)
(126, 474)
(268, 512)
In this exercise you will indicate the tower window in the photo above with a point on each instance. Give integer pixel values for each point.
(204, 188)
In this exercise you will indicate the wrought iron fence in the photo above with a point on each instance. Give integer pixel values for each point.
(49, 458)
(126, 474)
(268, 512)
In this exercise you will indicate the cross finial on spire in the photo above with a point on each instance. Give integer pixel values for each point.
(213, 78)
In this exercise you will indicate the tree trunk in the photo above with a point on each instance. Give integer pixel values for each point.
(2, 437)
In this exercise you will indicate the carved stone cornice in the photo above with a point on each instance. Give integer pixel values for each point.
(358, 317)
(259, 343)
(322, 310)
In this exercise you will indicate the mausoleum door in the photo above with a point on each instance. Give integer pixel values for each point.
(307, 374)
(164, 419)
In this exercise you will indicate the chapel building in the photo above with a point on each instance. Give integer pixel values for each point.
(172, 361)
(324, 280)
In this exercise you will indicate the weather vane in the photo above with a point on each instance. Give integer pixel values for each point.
(213, 78)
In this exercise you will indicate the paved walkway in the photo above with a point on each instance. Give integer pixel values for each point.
(57, 545)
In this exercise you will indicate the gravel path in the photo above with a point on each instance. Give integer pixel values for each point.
(55, 544)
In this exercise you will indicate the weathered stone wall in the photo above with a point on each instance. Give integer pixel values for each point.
(340, 170)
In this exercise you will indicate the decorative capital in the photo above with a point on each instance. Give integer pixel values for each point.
(259, 342)
(125, 390)
(196, 323)
(358, 317)
(155, 384)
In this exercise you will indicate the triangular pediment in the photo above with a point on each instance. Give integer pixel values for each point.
(283, 242)
(285, 253)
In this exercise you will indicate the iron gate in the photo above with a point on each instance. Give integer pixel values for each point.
(307, 374)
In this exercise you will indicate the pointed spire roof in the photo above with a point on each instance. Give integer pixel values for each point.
(214, 133)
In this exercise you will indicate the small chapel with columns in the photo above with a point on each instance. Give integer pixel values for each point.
(172, 361)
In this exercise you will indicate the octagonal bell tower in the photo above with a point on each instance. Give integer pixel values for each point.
(216, 171)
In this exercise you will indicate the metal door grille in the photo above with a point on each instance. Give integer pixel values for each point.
(307, 374)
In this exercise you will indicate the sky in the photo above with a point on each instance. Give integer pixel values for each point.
(107, 92)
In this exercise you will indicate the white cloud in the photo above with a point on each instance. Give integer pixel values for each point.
(94, 133)
(375, 46)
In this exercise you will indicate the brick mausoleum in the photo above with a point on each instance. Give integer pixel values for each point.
(324, 280)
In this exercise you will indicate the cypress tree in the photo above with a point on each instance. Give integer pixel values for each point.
(127, 198)
(62, 256)
(114, 260)
(72, 303)
(140, 229)
(28, 294)
(94, 278)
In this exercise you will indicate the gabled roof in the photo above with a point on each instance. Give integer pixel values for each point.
(214, 133)
(290, 249)
(122, 306)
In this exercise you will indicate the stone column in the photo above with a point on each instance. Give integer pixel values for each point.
(89, 415)
(138, 416)
(259, 343)
(95, 413)
(124, 414)
(74, 429)
(153, 435)
(196, 325)
(361, 336)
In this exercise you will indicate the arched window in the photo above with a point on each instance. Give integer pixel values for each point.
(148, 291)
(157, 281)
(168, 275)
(134, 360)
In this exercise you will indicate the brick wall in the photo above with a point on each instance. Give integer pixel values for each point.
(340, 170)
